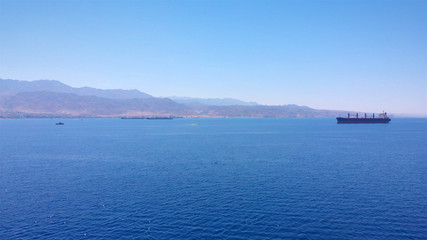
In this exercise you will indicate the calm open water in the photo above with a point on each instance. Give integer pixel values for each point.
(212, 179)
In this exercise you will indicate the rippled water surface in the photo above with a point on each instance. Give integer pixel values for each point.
(212, 179)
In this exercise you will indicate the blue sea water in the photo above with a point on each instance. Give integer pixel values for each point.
(212, 179)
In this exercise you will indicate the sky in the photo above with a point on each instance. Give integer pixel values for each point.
(357, 55)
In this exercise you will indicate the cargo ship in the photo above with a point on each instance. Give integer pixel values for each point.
(382, 118)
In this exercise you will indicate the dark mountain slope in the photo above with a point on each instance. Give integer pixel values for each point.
(68, 104)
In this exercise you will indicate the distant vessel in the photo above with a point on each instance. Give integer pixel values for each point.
(155, 118)
(147, 118)
(59, 123)
(133, 117)
(382, 118)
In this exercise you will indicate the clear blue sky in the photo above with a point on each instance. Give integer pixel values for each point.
(350, 55)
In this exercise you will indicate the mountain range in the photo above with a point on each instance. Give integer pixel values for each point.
(10, 87)
(212, 101)
(47, 98)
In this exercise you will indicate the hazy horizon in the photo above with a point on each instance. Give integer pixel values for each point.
(342, 55)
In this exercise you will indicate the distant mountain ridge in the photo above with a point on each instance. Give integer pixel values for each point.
(263, 111)
(212, 101)
(45, 98)
(10, 87)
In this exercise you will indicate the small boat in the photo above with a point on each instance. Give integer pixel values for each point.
(59, 123)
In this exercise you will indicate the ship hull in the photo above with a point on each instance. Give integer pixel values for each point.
(363, 120)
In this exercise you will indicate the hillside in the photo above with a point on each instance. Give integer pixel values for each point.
(55, 99)
(212, 101)
(72, 105)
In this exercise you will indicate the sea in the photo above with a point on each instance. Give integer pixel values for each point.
(225, 178)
